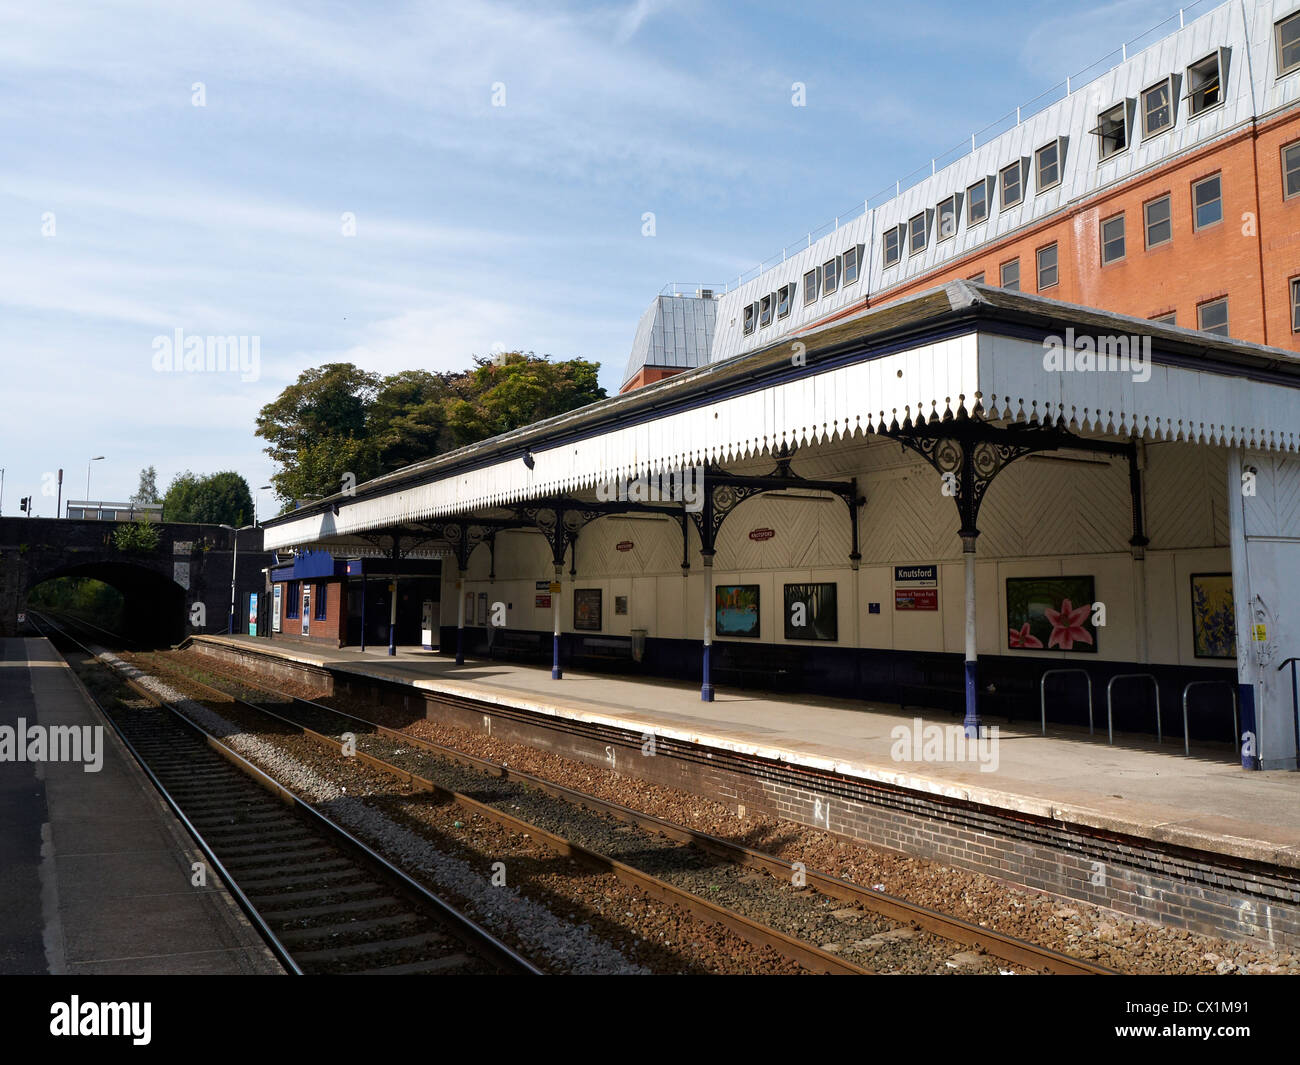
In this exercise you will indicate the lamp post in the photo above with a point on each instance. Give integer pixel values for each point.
(234, 559)
(96, 458)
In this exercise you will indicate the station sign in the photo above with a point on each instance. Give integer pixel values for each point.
(624, 545)
(916, 587)
(759, 535)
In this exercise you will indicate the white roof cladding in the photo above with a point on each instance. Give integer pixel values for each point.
(1207, 390)
(1252, 90)
(675, 332)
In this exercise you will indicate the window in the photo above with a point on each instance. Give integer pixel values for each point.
(1011, 275)
(1204, 87)
(1048, 275)
(321, 602)
(1295, 305)
(765, 310)
(1112, 239)
(1047, 160)
(1157, 108)
(1112, 129)
(1288, 44)
(1212, 317)
(1009, 181)
(1291, 170)
(783, 297)
(977, 203)
(810, 286)
(916, 234)
(1207, 201)
(893, 246)
(1159, 227)
(977, 278)
(947, 218)
(291, 599)
(852, 260)
(750, 308)
(830, 276)
(1166, 319)
(75, 512)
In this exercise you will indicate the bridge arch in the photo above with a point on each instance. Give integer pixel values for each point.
(154, 605)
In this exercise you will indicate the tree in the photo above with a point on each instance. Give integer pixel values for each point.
(147, 492)
(136, 537)
(518, 389)
(408, 419)
(217, 499)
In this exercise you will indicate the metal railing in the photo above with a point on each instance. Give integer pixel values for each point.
(1187, 741)
(1042, 693)
(1110, 703)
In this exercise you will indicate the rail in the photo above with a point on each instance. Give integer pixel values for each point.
(1187, 740)
(1110, 703)
(1042, 693)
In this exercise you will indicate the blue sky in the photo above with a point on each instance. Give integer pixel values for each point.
(127, 212)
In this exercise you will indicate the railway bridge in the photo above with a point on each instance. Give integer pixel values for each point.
(179, 588)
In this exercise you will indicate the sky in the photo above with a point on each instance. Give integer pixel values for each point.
(408, 185)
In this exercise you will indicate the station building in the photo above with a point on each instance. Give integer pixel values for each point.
(862, 473)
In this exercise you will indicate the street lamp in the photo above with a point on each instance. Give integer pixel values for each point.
(95, 459)
(234, 558)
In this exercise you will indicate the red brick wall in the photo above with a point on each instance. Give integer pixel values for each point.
(332, 630)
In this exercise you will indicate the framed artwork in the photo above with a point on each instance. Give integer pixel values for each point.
(587, 609)
(1214, 622)
(1050, 614)
(482, 608)
(735, 610)
(811, 612)
(620, 605)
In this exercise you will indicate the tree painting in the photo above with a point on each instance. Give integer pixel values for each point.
(1050, 614)
(735, 609)
(1214, 623)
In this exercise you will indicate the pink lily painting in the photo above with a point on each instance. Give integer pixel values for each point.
(1051, 614)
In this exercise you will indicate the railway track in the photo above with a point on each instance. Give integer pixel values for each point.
(325, 902)
(323, 724)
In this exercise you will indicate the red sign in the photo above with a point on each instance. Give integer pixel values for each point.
(761, 534)
(542, 601)
(916, 598)
(624, 545)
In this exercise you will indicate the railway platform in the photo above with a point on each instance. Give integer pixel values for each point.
(96, 874)
(1136, 788)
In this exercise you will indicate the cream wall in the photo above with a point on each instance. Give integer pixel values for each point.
(1041, 517)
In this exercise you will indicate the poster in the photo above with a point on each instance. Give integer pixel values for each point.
(1050, 614)
(620, 605)
(252, 613)
(735, 610)
(277, 593)
(1214, 623)
(811, 612)
(306, 609)
(482, 609)
(587, 609)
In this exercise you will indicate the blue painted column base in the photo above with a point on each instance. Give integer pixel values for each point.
(1248, 741)
(460, 647)
(972, 722)
(556, 672)
(706, 685)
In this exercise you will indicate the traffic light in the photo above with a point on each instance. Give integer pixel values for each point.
(25, 505)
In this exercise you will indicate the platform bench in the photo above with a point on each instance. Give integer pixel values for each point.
(758, 665)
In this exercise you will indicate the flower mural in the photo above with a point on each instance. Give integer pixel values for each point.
(1042, 614)
(1214, 622)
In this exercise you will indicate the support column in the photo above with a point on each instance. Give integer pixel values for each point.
(706, 682)
(392, 607)
(460, 616)
(1138, 549)
(556, 672)
(363, 606)
(972, 720)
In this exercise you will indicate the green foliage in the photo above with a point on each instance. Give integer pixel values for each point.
(80, 595)
(137, 537)
(147, 492)
(217, 499)
(338, 419)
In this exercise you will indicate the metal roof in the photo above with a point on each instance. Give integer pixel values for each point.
(675, 332)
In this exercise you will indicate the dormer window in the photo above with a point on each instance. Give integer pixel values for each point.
(1112, 130)
(750, 313)
(810, 287)
(947, 215)
(830, 276)
(852, 264)
(784, 297)
(1047, 161)
(1204, 84)
(893, 246)
(765, 310)
(1012, 187)
(977, 203)
(1158, 108)
(1288, 44)
(917, 234)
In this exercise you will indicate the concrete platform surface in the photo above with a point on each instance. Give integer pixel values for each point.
(1206, 802)
(95, 871)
